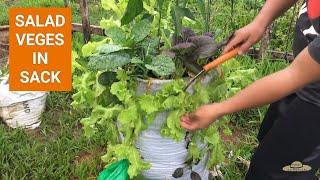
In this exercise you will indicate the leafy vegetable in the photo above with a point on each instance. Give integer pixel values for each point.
(107, 23)
(161, 65)
(125, 151)
(108, 62)
(107, 78)
(118, 7)
(141, 30)
(90, 48)
(117, 34)
(186, 48)
(136, 60)
(110, 48)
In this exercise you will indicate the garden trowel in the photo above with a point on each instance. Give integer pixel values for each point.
(215, 63)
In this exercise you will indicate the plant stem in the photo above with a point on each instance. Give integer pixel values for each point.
(159, 24)
(176, 33)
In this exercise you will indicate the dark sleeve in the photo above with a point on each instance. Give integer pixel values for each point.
(314, 49)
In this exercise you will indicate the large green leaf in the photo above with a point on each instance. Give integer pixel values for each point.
(90, 48)
(141, 30)
(134, 8)
(117, 35)
(186, 12)
(178, 13)
(161, 65)
(110, 48)
(107, 78)
(177, 16)
(108, 62)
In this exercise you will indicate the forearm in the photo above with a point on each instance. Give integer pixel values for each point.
(271, 10)
(275, 86)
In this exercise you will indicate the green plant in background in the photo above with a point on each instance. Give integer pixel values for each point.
(4, 71)
(95, 9)
(4, 14)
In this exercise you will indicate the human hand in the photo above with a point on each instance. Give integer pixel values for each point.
(245, 37)
(201, 118)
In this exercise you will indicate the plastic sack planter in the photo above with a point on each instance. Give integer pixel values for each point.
(165, 154)
(21, 109)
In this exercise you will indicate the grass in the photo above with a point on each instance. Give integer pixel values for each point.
(245, 124)
(57, 150)
(95, 10)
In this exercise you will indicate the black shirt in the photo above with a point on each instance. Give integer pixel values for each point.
(308, 35)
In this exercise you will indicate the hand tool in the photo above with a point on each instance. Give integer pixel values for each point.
(215, 63)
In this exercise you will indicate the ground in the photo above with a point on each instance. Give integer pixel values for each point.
(55, 150)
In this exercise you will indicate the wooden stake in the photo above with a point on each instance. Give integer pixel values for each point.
(265, 41)
(66, 3)
(85, 20)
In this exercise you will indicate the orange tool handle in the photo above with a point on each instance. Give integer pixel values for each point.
(221, 59)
